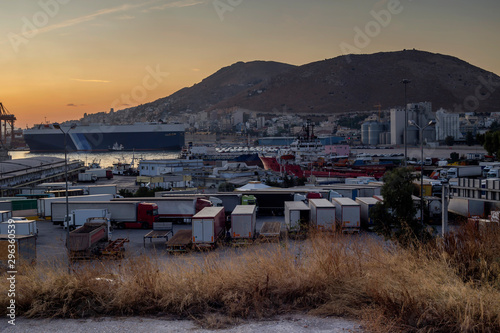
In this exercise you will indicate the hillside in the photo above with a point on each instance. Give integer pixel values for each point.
(331, 86)
(335, 86)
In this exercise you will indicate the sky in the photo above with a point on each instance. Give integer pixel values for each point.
(63, 58)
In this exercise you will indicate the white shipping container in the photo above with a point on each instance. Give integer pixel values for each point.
(21, 227)
(366, 204)
(243, 221)
(322, 213)
(5, 214)
(347, 213)
(295, 213)
(101, 189)
(45, 204)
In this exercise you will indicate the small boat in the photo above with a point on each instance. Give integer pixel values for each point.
(116, 147)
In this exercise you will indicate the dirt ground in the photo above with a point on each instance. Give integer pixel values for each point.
(284, 324)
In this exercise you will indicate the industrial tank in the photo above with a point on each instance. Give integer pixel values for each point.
(429, 134)
(365, 132)
(374, 130)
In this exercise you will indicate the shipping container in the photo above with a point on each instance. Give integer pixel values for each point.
(365, 205)
(322, 214)
(243, 221)
(21, 227)
(5, 215)
(101, 189)
(297, 216)
(347, 214)
(25, 250)
(208, 226)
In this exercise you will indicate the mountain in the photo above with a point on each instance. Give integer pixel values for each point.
(338, 85)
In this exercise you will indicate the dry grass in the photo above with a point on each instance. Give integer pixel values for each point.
(431, 289)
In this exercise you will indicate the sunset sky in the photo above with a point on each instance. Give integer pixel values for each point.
(62, 58)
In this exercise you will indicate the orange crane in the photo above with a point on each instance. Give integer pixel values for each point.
(6, 120)
(379, 106)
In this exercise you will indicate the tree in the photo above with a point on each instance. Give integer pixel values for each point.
(469, 139)
(394, 218)
(492, 142)
(449, 140)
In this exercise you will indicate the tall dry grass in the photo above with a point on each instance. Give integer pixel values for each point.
(389, 288)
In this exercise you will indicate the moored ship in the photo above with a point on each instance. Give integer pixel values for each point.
(99, 137)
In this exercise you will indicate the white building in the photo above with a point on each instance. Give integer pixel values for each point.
(447, 124)
(397, 126)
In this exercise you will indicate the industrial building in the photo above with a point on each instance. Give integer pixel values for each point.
(447, 124)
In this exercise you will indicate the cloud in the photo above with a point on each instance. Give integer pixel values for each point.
(177, 4)
(125, 17)
(195, 69)
(90, 17)
(72, 105)
(95, 81)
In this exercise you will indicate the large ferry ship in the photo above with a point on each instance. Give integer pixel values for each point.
(100, 137)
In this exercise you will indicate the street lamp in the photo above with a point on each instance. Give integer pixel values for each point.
(421, 131)
(58, 126)
(405, 82)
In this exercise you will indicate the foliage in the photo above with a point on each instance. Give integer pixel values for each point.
(491, 142)
(454, 156)
(451, 285)
(126, 193)
(394, 218)
(226, 187)
(469, 139)
(147, 192)
(449, 140)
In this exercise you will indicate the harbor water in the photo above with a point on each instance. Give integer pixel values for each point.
(105, 159)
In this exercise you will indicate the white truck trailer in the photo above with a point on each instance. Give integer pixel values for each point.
(243, 222)
(174, 209)
(365, 205)
(79, 217)
(22, 227)
(347, 214)
(208, 226)
(296, 213)
(322, 214)
(44, 204)
(466, 207)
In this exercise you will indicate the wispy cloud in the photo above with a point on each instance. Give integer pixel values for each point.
(195, 69)
(72, 105)
(95, 81)
(93, 16)
(125, 17)
(177, 4)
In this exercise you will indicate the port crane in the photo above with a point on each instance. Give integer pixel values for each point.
(7, 121)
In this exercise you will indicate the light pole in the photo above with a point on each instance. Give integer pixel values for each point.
(405, 82)
(57, 126)
(421, 132)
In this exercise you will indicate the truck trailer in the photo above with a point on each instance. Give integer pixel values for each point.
(126, 214)
(44, 205)
(322, 214)
(79, 217)
(174, 209)
(297, 215)
(365, 205)
(208, 227)
(243, 222)
(347, 214)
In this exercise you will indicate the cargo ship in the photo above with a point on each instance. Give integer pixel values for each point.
(99, 137)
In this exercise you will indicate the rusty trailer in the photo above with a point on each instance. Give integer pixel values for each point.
(180, 242)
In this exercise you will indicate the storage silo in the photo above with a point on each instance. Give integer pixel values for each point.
(374, 130)
(365, 132)
(381, 138)
(412, 135)
(429, 134)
